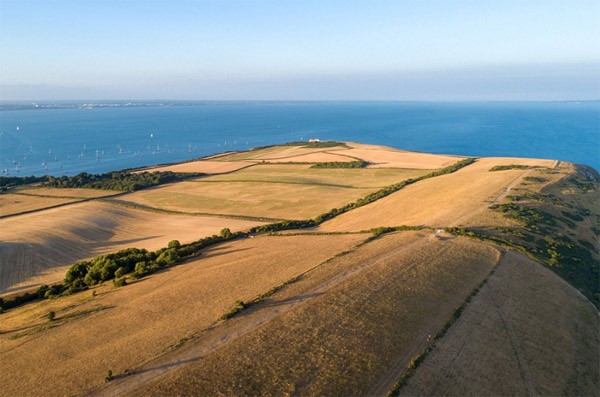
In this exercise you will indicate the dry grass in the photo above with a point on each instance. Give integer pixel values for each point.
(204, 166)
(303, 174)
(360, 318)
(447, 200)
(67, 192)
(319, 157)
(527, 333)
(37, 248)
(11, 204)
(145, 318)
(279, 153)
(270, 200)
(380, 156)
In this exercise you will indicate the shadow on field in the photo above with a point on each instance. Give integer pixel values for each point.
(224, 251)
(131, 241)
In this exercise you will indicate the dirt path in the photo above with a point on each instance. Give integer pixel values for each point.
(485, 205)
(222, 333)
(514, 340)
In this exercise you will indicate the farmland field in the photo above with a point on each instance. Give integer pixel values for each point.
(153, 315)
(526, 326)
(11, 204)
(204, 166)
(38, 248)
(269, 200)
(346, 177)
(447, 200)
(350, 334)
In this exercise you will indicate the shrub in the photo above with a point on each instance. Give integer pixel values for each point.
(120, 272)
(51, 315)
(237, 307)
(119, 282)
(168, 257)
(174, 244)
(225, 233)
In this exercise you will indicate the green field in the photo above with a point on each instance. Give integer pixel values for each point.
(303, 174)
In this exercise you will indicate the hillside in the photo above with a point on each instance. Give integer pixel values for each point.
(334, 269)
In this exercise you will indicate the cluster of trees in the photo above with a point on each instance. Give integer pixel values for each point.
(511, 167)
(10, 181)
(341, 164)
(120, 180)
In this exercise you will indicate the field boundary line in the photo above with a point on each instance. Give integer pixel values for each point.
(143, 207)
(416, 360)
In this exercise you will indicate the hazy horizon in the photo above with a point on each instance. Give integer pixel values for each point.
(266, 50)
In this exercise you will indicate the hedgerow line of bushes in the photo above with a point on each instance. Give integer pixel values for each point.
(341, 164)
(140, 262)
(119, 180)
(513, 167)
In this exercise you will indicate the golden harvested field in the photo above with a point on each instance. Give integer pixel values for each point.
(67, 192)
(447, 200)
(17, 203)
(350, 335)
(269, 200)
(38, 248)
(205, 166)
(347, 177)
(380, 156)
(122, 328)
(527, 333)
(318, 157)
(279, 153)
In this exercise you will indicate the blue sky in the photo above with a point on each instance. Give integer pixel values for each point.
(348, 50)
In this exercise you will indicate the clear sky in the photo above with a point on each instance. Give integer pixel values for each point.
(305, 49)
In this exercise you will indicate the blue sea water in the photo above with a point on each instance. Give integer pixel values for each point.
(69, 141)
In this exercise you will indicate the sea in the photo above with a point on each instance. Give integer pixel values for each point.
(66, 138)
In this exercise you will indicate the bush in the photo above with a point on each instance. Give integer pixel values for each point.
(174, 244)
(119, 282)
(225, 233)
(120, 272)
(237, 307)
(51, 315)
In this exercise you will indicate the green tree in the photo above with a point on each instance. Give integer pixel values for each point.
(225, 233)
